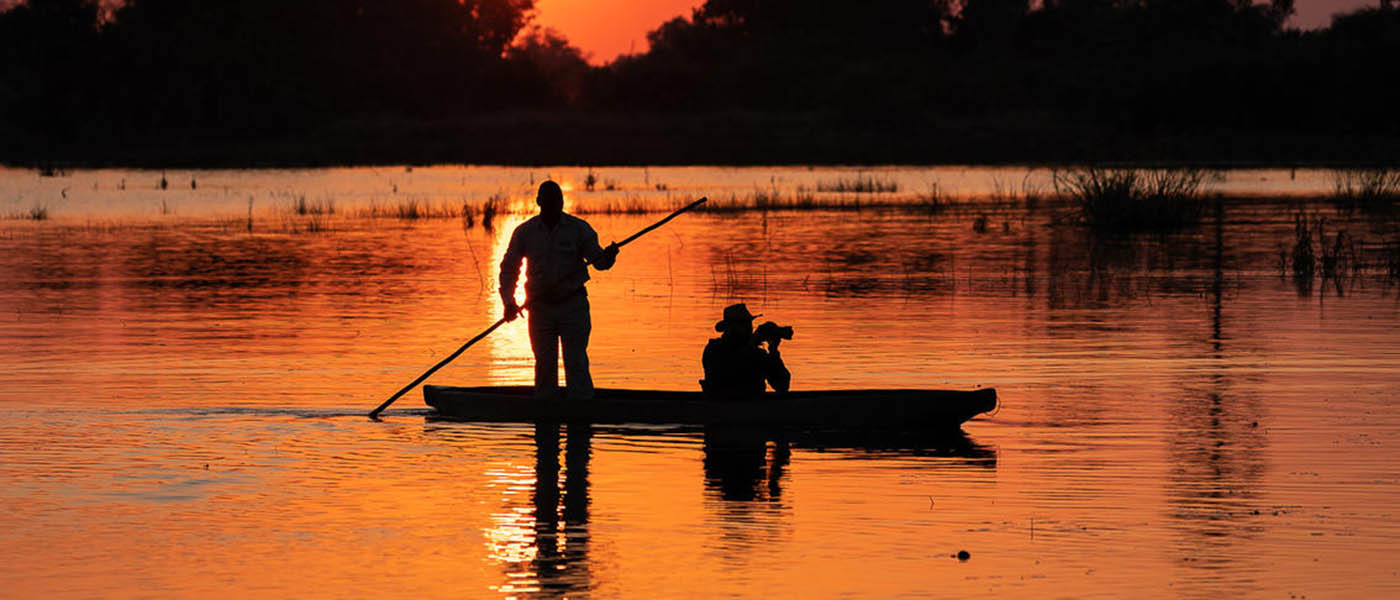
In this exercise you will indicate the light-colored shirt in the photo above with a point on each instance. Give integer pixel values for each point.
(554, 258)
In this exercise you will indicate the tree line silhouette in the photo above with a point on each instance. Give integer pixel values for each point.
(84, 80)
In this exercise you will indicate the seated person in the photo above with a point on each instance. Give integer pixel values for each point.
(735, 366)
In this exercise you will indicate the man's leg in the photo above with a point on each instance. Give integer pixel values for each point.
(544, 341)
(574, 328)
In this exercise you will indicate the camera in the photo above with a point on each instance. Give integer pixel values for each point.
(772, 331)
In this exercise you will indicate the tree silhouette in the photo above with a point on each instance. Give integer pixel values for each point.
(47, 50)
(553, 72)
(883, 75)
(992, 24)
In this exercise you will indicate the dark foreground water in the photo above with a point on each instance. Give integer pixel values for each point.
(183, 389)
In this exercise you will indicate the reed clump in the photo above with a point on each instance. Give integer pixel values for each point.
(770, 199)
(303, 207)
(932, 201)
(1006, 193)
(1367, 188)
(628, 205)
(494, 205)
(38, 212)
(802, 199)
(979, 225)
(1301, 260)
(317, 224)
(410, 209)
(1392, 261)
(1315, 252)
(1336, 257)
(414, 209)
(1135, 199)
(859, 185)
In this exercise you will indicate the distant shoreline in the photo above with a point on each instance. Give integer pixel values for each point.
(729, 139)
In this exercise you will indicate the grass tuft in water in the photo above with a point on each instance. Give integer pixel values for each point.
(1367, 188)
(317, 224)
(803, 198)
(932, 201)
(410, 209)
(1339, 257)
(1135, 199)
(1302, 260)
(1392, 261)
(859, 185)
(468, 216)
(770, 199)
(304, 207)
(1009, 194)
(38, 212)
(494, 205)
(1331, 256)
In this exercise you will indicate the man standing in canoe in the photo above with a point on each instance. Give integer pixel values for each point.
(555, 246)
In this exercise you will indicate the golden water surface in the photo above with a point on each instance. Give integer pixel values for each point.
(184, 372)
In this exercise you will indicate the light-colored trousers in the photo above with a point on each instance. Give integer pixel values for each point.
(567, 322)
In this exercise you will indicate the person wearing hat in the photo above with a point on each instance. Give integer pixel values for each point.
(556, 245)
(736, 367)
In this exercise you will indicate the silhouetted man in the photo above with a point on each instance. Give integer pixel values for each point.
(555, 246)
(735, 366)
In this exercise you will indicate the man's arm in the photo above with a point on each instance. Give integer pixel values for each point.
(602, 258)
(775, 371)
(707, 364)
(510, 273)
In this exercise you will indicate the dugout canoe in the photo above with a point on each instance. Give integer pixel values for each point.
(898, 409)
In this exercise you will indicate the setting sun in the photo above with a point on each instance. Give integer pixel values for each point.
(606, 29)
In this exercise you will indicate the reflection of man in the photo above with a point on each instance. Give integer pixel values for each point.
(555, 246)
(562, 565)
(735, 366)
(737, 465)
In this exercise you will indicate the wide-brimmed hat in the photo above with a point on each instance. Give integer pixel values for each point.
(737, 313)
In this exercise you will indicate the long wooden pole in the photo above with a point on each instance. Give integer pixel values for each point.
(374, 414)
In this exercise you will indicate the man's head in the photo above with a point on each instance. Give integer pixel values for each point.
(737, 323)
(550, 199)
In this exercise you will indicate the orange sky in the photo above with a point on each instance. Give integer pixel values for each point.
(607, 28)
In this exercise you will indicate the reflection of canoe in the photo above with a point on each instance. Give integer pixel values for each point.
(900, 409)
(884, 442)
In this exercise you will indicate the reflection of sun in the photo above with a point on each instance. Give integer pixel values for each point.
(510, 541)
(510, 360)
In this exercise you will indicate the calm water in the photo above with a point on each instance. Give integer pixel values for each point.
(185, 397)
